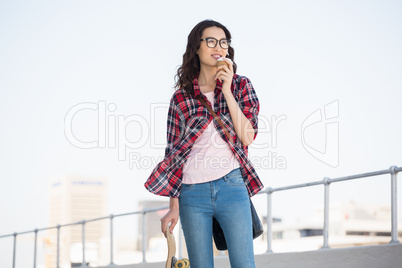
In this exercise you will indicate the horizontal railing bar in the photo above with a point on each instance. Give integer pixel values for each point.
(26, 232)
(44, 229)
(296, 186)
(352, 177)
(359, 176)
(9, 235)
(86, 221)
(96, 219)
(141, 211)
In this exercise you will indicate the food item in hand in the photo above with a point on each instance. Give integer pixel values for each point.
(221, 61)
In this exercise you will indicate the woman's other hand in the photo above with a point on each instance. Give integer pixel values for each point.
(172, 216)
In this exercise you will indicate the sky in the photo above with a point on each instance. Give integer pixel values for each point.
(85, 85)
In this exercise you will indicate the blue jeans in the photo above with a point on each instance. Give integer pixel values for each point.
(227, 200)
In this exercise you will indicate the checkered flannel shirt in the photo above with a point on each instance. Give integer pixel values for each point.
(188, 118)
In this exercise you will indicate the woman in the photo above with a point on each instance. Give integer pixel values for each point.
(206, 172)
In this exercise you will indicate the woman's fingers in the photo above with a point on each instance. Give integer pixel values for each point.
(173, 224)
(224, 72)
(171, 217)
(222, 75)
(230, 63)
(224, 68)
(164, 224)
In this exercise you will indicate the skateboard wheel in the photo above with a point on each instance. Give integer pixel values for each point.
(187, 262)
(180, 264)
(184, 263)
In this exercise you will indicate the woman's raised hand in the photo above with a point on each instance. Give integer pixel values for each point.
(225, 74)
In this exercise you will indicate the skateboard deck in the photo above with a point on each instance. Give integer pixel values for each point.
(172, 261)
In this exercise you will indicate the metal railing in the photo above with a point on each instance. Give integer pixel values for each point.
(82, 223)
(393, 170)
(326, 182)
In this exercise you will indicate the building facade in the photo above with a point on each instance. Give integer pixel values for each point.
(71, 200)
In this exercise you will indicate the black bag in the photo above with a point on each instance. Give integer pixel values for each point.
(219, 237)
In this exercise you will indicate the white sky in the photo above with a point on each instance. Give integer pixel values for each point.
(300, 56)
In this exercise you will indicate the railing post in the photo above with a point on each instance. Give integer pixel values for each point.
(394, 211)
(111, 240)
(15, 248)
(36, 240)
(326, 182)
(83, 244)
(144, 242)
(58, 247)
(269, 220)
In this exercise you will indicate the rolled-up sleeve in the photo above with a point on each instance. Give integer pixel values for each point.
(173, 127)
(164, 179)
(249, 103)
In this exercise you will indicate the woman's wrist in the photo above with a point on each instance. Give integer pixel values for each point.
(174, 203)
(226, 90)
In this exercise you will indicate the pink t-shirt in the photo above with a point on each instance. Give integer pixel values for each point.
(210, 157)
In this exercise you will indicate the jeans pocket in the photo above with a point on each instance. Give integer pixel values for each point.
(235, 177)
(185, 187)
(236, 181)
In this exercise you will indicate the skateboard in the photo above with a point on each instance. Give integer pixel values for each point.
(172, 261)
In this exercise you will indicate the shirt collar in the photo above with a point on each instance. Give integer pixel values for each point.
(196, 87)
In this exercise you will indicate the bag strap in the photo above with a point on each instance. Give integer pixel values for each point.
(216, 117)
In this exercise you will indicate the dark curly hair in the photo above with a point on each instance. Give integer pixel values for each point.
(191, 63)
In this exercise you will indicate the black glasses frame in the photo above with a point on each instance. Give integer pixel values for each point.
(216, 42)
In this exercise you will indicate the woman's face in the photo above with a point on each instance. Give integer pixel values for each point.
(208, 56)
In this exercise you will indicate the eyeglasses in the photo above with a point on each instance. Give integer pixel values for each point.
(212, 42)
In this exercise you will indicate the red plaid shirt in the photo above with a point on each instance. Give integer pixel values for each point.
(188, 118)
